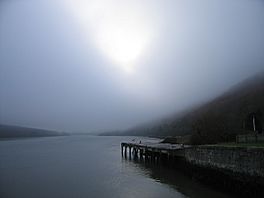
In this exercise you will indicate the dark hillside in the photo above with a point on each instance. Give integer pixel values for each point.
(7, 131)
(231, 113)
(218, 120)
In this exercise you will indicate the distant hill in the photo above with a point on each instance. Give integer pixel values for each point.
(216, 121)
(7, 131)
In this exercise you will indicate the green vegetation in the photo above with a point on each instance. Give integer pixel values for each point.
(248, 145)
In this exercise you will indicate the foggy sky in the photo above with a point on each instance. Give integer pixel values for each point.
(53, 76)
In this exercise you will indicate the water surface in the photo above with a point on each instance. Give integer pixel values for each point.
(86, 166)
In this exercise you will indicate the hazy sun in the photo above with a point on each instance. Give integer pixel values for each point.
(118, 28)
(123, 44)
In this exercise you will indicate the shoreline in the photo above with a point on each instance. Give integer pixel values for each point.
(237, 170)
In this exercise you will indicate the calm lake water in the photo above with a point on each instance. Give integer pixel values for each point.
(84, 167)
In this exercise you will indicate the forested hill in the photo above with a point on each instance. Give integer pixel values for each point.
(7, 131)
(217, 120)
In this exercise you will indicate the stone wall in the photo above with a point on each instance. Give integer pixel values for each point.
(245, 161)
(250, 138)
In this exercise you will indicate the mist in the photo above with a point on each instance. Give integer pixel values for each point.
(61, 70)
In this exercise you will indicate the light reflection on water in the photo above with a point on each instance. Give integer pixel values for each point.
(86, 166)
(174, 179)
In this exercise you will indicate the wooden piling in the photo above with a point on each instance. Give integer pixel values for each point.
(152, 152)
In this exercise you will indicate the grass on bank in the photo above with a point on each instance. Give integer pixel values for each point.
(244, 145)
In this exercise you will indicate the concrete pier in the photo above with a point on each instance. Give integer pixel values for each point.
(152, 151)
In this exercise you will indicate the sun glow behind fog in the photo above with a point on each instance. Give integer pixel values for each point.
(121, 30)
